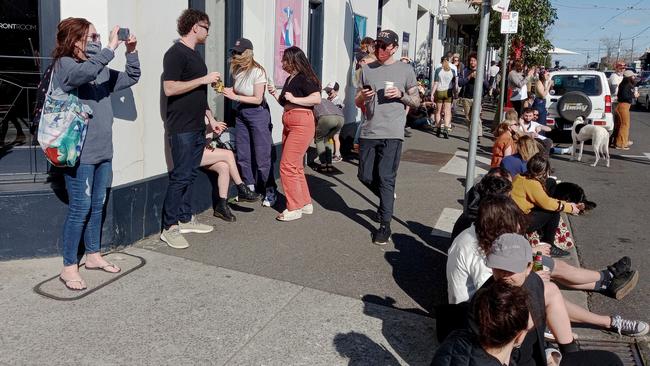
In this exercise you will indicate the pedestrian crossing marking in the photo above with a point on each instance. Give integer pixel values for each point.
(457, 165)
(445, 224)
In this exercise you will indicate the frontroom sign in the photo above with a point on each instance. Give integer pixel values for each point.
(18, 27)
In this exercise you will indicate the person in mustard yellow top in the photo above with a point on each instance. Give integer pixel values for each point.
(543, 211)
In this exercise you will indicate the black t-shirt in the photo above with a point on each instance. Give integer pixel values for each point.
(185, 112)
(300, 86)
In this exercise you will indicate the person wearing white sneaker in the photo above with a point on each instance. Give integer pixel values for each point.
(185, 80)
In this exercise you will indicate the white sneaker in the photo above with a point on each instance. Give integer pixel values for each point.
(173, 238)
(270, 198)
(308, 209)
(193, 226)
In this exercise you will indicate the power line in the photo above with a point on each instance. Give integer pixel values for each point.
(626, 9)
(596, 7)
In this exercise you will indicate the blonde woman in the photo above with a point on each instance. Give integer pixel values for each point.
(526, 148)
(253, 121)
(444, 82)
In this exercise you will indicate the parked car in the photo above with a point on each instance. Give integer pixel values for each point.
(644, 94)
(579, 93)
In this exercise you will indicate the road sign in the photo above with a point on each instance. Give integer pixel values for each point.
(509, 22)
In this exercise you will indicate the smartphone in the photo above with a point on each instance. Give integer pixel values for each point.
(123, 34)
(367, 87)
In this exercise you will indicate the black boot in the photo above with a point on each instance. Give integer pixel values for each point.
(222, 211)
(245, 194)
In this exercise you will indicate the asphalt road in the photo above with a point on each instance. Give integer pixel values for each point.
(620, 225)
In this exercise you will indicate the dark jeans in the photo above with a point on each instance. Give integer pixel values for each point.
(254, 146)
(187, 150)
(518, 106)
(87, 186)
(378, 164)
(545, 222)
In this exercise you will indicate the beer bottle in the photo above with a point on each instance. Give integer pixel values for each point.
(537, 262)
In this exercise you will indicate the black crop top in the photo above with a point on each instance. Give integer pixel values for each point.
(300, 86)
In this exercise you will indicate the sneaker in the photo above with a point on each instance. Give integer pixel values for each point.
(337, 159)
(382, 235)
(558, 252)
(631, 328)
(621, 285)
(269, 198)
(550, 337)
(173, 238)
(307, 209)
(193, 226)
(407, 133)
(620, 267)
(445, 133)
(437, 131)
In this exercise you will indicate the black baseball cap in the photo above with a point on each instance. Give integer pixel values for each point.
(242, 45)
(388, 36)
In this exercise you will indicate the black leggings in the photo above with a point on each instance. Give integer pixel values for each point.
(546, 222)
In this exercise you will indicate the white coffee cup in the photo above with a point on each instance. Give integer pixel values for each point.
(388, 85)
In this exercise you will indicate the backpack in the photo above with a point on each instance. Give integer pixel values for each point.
(62, 125)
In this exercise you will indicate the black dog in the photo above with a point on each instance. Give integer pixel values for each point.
(572, 192)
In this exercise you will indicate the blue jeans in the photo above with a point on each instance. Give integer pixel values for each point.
(87, 186)
(540, 106)
(187, 150)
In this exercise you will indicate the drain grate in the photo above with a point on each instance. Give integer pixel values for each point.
(426, 157)
(628, 351)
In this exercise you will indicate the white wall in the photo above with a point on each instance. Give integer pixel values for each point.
(138, 137)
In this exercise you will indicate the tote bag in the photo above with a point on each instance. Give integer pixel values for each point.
(62, 126)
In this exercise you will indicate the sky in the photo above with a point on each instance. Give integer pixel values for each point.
(581, 25)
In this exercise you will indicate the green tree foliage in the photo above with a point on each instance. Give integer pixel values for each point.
(535, 19)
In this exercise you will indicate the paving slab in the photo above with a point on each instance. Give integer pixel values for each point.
(318, 328)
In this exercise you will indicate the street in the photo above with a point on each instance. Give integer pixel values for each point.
(619, 225)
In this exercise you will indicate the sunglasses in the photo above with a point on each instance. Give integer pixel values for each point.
(382, 45)
(207, 29)
(94, 37)
(235, 53)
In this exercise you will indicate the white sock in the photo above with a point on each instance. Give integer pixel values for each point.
(251, 187)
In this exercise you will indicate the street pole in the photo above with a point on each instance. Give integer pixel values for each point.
(504, 76)
(618, 53)
(478, 93)
(598, 58)
(632, 52)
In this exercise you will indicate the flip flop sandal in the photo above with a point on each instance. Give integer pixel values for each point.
(103, 268)
(65, 282)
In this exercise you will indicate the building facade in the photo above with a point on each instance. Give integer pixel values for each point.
(327, 30)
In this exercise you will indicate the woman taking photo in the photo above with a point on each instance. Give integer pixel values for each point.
(301, 91)
(444, 82)
(80, 63)
(626, 96)
(502, 317)
(253, 121)
(530, 193)
(542, 87)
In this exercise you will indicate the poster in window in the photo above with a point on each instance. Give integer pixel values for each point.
(288, 20)
(359, 31)
(405, 44)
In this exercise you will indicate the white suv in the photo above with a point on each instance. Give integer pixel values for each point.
(579, 93)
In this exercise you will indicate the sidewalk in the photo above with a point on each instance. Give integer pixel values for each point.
(261, 292)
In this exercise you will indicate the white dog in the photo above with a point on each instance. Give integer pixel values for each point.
(598, 135)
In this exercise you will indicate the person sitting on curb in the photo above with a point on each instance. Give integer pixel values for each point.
(526, 148)
(510, 258)
(503, 320)
(498, 214)
(530, 192)
(504, 145)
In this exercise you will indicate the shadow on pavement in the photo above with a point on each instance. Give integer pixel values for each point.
(360, 350)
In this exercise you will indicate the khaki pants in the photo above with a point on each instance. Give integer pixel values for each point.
(622, 138)
(467, 105)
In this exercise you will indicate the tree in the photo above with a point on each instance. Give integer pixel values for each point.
(535, 18)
